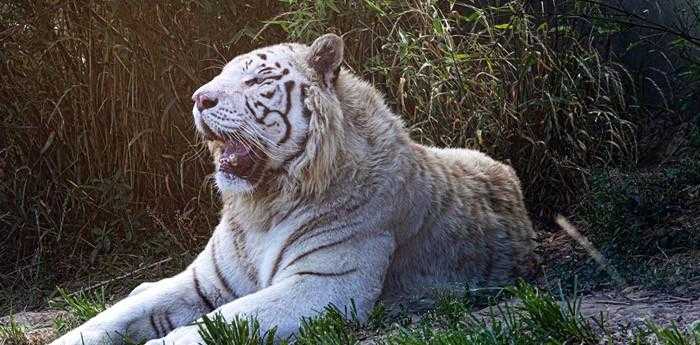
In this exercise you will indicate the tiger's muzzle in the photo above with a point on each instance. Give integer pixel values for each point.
(240, 157)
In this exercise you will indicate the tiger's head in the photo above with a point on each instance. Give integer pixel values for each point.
(271, 118)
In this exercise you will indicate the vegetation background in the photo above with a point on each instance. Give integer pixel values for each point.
(594, 103)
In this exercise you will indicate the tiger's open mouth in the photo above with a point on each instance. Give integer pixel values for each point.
(239, 157)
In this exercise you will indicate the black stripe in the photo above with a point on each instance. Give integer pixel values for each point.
(218, 272)
(162, 325)
(325, 246)
(295, 155)
(241, 252)
(331, 229)
(289, 212)
(155, 327)
(247, 105)
(171, 326)
(274, 77)
(326, 274)
(269, 94)
(200, 293)
(318, 220)
(260, 80)
(288, 86)
(299, 232)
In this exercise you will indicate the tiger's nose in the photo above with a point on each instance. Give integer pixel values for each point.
(205, 101)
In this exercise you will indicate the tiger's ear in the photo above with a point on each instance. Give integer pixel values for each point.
(325, 57)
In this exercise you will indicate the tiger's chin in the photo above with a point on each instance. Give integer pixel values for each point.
(228, 183)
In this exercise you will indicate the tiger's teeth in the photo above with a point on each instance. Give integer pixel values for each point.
(232, 159)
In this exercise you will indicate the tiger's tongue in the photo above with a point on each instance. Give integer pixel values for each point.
(236, 159)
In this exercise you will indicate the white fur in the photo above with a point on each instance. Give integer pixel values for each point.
(360, 212)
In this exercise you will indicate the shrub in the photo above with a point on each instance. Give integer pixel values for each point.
(643, 213)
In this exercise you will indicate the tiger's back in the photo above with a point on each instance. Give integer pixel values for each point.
(470, 224)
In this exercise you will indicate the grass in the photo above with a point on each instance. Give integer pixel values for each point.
(332, 327)
(532, 317)
(673, 336)
(80, 307)
(552, 320)
(13, 334)
(216, 331)
(520, 314)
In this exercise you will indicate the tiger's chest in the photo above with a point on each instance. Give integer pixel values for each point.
(257, 251)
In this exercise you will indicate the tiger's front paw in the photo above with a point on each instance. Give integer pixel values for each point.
(187, 335)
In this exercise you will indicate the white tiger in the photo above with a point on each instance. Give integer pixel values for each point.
(326, 200)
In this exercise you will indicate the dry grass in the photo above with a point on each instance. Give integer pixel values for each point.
(97, 151)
